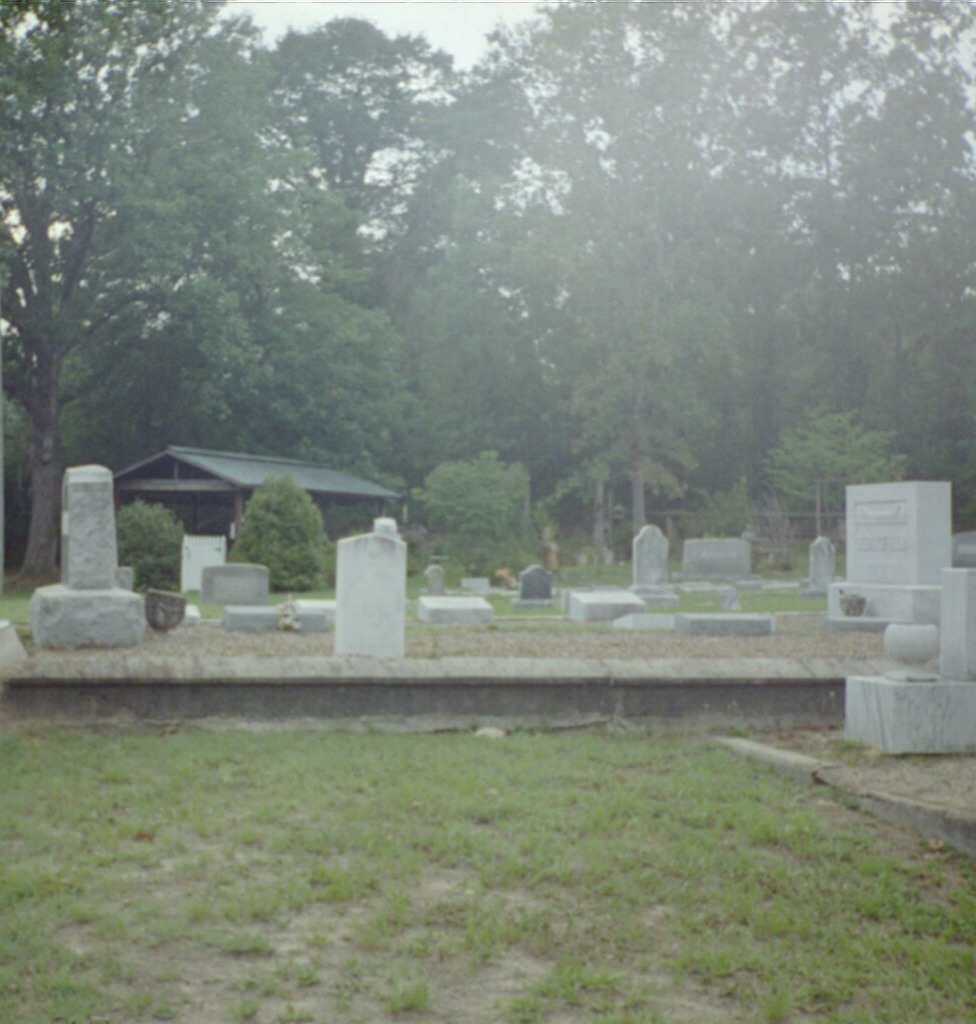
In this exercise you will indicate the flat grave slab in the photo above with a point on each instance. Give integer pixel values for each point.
(602, 605)
(718, 624)
(645, 621)
(246, 618)
(319, 614)
(454, 611)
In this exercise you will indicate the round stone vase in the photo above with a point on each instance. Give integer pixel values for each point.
(911, 643)
(164, 609)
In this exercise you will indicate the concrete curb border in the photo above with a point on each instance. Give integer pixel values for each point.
(929, 819)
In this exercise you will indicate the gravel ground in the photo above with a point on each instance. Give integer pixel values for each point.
(797, 636)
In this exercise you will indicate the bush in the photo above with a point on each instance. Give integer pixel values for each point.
(283, 530)
(150, 541)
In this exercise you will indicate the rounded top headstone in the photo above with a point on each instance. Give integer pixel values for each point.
(385, 526)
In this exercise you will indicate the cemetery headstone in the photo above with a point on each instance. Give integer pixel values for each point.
(651, 549)
(237, 583)
(717, 558)
(371, 578)
(476, 584)
(535, 584)
(898, 543)
(87, 608)
(823, 559)
(434, 575)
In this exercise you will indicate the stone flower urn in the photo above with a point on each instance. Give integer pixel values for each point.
(911, 643)
(164, 609)
(853, 604)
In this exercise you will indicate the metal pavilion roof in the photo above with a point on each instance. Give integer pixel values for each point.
(250, 471)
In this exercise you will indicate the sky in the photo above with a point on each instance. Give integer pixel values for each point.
(457, 26)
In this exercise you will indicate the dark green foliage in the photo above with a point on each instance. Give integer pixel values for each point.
(834, 448)
(479, 507)
(283, 530)
(150, 541)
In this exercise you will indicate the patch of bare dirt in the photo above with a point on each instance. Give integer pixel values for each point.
(939, 780)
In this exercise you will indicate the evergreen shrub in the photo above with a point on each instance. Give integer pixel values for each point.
(283, 530)
(150, 541)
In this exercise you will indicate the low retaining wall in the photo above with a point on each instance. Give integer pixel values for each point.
(447, 693)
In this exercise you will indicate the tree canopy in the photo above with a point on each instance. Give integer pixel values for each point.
(647, 251)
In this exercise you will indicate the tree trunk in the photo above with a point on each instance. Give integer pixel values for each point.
(44, 476)
(639, 506)
(600, 523)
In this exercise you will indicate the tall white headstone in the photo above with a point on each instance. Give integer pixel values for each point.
(371, 581)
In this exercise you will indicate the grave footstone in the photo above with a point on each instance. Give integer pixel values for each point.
(603, 605)
(87, 608)
(724, 624)
(454, 611)
(371, 577)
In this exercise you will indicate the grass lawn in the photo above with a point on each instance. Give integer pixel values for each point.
(319, 877)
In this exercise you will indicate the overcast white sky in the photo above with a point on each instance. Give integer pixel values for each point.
(458, 26)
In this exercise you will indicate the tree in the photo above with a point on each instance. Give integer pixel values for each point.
(358, 103)
(476, 503)
(614, 197)
(830, 448)
(99, 235)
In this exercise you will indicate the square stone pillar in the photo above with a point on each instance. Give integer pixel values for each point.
(957, 639)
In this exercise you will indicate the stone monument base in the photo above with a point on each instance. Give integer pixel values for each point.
(905, 716)
(886, 603)
(65, 617)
